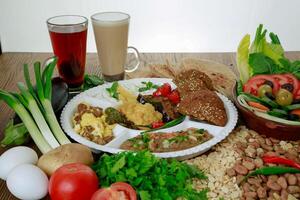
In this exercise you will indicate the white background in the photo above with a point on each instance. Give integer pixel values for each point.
(156, 25)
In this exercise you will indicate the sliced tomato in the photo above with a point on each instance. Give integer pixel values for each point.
(126, 188)
(117, 191)
(253, 84)
(297, 96)
(281, 79)
(293, 80)
(106, 194)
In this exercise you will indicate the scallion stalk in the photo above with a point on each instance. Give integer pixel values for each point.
(38, 116)
(44, 91)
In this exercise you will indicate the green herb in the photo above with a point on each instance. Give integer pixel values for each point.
(153, 178)
(91, 81)
(148, 86)
(168, 124)
(113, 90)
(14, 134)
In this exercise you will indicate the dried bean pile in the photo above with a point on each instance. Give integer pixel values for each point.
(285, 186)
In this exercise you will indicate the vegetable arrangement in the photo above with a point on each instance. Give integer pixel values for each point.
(34, 108)
(269, 83)
(153, 178)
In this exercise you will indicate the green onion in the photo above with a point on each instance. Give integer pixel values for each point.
(44, 94)
(38, 116)
(34, 132)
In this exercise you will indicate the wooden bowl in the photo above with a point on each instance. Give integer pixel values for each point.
(267, 127)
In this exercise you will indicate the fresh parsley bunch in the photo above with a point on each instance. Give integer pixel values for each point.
(153, 178)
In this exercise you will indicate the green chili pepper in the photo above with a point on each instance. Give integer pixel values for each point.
(272, 171)
(168, 124)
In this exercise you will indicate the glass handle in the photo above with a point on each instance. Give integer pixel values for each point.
(137, 57)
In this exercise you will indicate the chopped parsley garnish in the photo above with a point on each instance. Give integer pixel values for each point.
(201, 131)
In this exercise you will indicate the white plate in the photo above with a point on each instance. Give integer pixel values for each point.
(98, 96)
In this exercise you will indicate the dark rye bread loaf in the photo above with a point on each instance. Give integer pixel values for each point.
(204, 105)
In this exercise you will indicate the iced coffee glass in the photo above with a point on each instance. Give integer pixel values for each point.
(111, 35)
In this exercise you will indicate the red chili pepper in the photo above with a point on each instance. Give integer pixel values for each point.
(157, 124)
(280, 160)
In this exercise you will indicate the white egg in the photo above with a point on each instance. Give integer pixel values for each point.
(27, 182)
(14, 157)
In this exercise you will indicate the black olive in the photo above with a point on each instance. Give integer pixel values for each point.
(293, 117)
(269, 83)
(270, 95)
(288, 86)
(296, 101)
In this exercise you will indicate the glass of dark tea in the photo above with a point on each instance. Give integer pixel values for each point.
(68, 35)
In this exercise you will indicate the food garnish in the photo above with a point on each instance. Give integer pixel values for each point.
(113, 90)
(151, 177)
(168, 124)
(148, 86)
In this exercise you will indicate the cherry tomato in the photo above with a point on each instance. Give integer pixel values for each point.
(73, 182)
(158, 92)
(174, 97)
(117, 191)
(166, 89)
(253, 84)
(157, 124)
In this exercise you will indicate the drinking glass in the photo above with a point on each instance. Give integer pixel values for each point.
(111, 35)
(68, 35)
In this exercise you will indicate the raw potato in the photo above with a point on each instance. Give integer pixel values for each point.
(68, 153)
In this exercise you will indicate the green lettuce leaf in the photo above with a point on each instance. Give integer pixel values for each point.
(242, 58)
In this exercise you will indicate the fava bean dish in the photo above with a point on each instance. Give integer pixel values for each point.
(166, 142)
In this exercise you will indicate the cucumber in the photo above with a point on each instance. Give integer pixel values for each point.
(278, 113)
(292, 107)
(269, 101)
(249, 97)
(276, 119)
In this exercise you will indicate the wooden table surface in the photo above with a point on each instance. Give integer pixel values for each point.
(11, 65)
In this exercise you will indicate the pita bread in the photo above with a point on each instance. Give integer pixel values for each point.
(222, 76)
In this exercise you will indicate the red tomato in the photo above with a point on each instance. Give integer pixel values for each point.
(117, 191)
(166, 89)
(73, 182)
(293, 80)
(158, 92)
(253, 84)
(174, 97)
(157, 124)
(281, 79)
